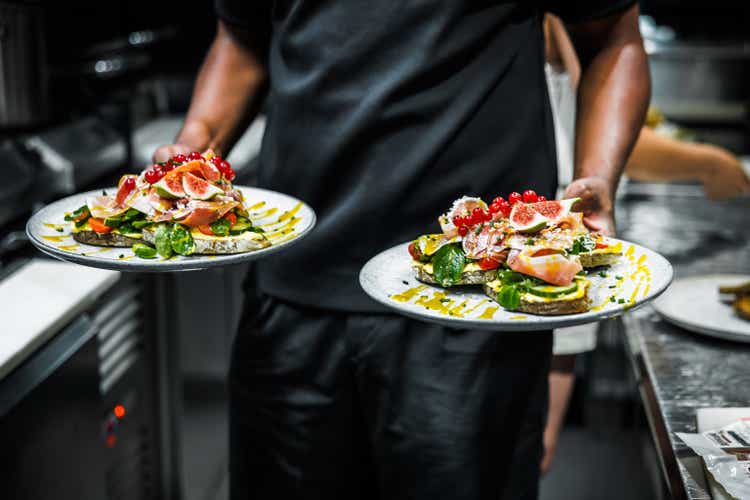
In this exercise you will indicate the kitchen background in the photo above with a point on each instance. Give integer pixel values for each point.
(88, 89)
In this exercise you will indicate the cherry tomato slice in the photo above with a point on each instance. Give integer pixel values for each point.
(98, 225)
(601, 245)
(541, 197)
(514, 197)
(231, 218)
(489, 263)
(195, 155)
(463, 230)
(179, 158)
(205, 229)
(413, 252)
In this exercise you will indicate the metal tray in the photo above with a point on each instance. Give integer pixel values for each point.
(285, 219)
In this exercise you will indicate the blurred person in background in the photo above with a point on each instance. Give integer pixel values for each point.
(656, 157)
(379, 114)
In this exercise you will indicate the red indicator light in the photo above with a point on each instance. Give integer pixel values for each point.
(111, 441)
(119, 411)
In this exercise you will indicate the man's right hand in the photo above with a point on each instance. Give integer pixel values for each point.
(167, 151)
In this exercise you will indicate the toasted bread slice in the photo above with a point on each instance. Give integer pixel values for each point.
(597, 258)
(576, 302)
(111, 239)
(219, 245)
(472, 275)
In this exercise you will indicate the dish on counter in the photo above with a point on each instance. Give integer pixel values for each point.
(529, 254)
(696, 303)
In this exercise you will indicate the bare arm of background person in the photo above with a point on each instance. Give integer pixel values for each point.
(230, 86)
(657, 158)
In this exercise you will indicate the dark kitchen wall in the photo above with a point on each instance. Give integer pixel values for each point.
(699, 20)
(75, 26)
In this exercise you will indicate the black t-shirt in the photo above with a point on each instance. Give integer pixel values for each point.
(381, 112)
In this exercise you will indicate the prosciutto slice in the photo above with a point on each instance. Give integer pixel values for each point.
(206, 212)
(556, 269)
(489, 242)
(104, 206)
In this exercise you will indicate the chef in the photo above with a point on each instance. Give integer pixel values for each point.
(379, 114)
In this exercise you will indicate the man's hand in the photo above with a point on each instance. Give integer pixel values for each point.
(167, 151)
(596, 203)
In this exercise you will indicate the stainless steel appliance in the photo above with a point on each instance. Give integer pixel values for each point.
(80, 418)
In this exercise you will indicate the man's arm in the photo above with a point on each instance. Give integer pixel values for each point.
(230, 86)
(613, 96)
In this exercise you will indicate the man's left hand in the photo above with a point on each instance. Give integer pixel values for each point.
(596, 203)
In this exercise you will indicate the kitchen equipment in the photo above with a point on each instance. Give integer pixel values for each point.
(79, 403)
(23, 65)
(693, 304)
(284, 219)
(389, 279)
(700, 82)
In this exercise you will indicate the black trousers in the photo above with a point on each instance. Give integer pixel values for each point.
(329, 405)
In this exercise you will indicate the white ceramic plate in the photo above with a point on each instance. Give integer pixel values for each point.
(284, 218)
(389, 279)
(693, 304)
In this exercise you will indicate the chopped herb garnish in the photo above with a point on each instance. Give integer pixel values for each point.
(602, 274)
(612, 298)
(618, 277)
(404, 282)
(621, 301)
(59, 229)
(582, 244)
(478, 230)
(445, 299)
(530, 241)
(121, 256)
(612, 286)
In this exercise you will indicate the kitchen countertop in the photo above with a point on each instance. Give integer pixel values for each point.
(679, 371)
(39, 299)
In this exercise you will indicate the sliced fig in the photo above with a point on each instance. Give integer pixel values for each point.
(170, 186)
(197, 188)
(524, 219)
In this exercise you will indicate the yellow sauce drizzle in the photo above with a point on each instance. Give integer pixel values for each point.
(438, 302)
(56, 227)
(69, 248)
(126, 258)
(629, 252)
(489, 312)
(283, 230)
(408, 294)
(458, 310)
(56, 239)
(292, 235)
(469, 311)
(289, 214)
(519, 316)
(256, 206)
(263, 215)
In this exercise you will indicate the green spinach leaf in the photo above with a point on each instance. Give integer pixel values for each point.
(448, 264)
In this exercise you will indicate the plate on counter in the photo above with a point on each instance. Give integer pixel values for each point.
(694, 304)
(388, 278)
(285, 220)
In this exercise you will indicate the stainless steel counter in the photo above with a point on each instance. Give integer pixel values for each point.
(678, 371)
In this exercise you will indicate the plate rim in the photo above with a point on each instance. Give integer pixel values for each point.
(155, 266)
(699, 329)
(547, 323)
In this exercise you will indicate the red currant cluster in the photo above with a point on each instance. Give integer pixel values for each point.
(156, 172)
(498, 206)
